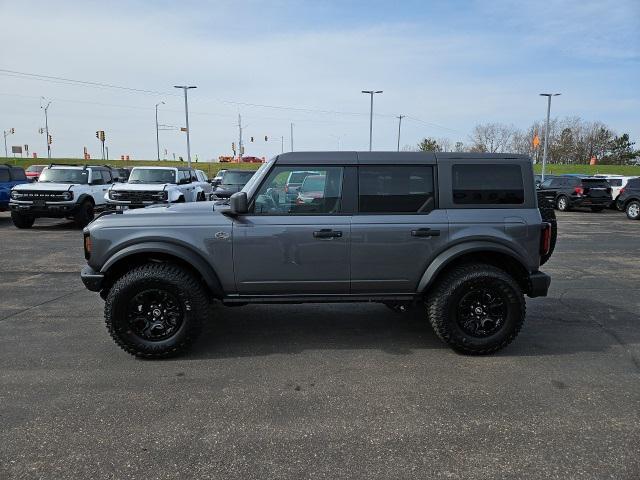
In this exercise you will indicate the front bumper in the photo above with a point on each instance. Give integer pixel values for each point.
(92, 280)
(538, 284)
(47, 209)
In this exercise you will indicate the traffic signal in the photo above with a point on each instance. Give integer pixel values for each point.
(41, 130)
(13, 130)
(266, 138)
(102, 136)
(252, 139)
(233, 146)
(98, 134)
(50, 140)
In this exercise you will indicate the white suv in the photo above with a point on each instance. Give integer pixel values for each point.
(62, 191)
(150, 185)
(617, 182)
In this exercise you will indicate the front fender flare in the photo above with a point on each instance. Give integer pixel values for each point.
(185, 254)
(456, 251)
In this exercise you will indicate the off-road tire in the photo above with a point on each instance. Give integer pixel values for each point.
(84, 214)
(597, 209)
(632, 209)
(562, 203)
(442, 308)
(167, 277)
(22, 221)
(548, 215)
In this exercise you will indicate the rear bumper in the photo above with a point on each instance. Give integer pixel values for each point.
(538, 284)
(92, 280)
(591, 201)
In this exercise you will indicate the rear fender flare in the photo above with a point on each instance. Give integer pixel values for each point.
(456, 251)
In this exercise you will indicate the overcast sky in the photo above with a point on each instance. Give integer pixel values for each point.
(448, 65)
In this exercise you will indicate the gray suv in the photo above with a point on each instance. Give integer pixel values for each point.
(459, 233)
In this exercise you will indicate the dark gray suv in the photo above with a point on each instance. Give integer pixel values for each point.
(460, 233)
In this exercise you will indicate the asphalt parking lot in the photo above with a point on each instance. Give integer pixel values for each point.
(317, 391)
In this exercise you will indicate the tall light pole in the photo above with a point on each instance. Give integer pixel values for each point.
(292, 137)
(157, 134)
(46, 124)
(400, 117)
(372, 93)
(338, 138)
(186, 114)
(546, 130)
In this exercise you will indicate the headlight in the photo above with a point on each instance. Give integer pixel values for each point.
(15, 194)
(161, 195)
(67, 195)
(113, 195)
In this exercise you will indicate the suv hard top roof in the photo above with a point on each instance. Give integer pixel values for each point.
(389, 158)
(168, 167)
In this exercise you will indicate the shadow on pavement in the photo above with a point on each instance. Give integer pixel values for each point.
(553, 327)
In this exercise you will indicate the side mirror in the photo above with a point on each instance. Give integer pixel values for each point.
(238, 203)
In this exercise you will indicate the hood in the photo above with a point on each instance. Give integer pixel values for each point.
(141, 187)
(38, 186)
(173, 208)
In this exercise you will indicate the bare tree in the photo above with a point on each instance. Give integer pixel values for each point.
(492, 137)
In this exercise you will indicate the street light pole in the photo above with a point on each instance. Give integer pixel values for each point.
(186, 114)
(157, 134)
(400, 117)
(371, 92)
(46, 125)
(546, 130)
(292, 137)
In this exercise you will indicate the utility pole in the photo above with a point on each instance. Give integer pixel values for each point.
(400, 117)
(6, 134)
(292, 137)
(546, 130)
(186, 114)
(372, 93)
(240, 138)
(282, 144)
(157, 134)
(46, 124)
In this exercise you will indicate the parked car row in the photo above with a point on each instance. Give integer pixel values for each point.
(596, 192)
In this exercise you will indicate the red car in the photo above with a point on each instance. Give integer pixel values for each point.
(312, 189)
(33, 172)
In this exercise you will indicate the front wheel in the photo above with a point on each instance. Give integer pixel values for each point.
(22, 221)
(633, 210)
(155, 310)
(476, 309)
(84, 214)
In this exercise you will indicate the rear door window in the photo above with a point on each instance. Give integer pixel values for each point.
(396, 189)
(487, 184)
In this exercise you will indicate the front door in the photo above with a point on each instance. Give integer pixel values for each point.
(294, 245)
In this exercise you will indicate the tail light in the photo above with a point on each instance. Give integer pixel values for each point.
(545, 239)
(621, 190)
(578, 190)
(88, 245)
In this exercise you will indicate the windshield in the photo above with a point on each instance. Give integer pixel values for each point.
(298, 177)
(64, 175)
(35, 168)
(253, 182)
(237, 178)
(152, 175)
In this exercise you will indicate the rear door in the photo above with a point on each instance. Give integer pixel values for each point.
(398, 227)
(292, 245)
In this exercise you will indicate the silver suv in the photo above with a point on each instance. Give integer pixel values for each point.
(459, 233)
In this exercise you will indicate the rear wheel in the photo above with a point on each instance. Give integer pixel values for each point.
(85, 214)
(155, 310)
(633, 210)
(563, 203)
(22, 221)
(476, 309)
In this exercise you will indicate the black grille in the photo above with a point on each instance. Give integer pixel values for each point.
(137, 196)
(44, 195)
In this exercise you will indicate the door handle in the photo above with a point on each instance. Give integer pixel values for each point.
(327, 233)
(425, 232)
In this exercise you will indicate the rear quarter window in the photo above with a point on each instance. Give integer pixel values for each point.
(4, 175)
(487, 184)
